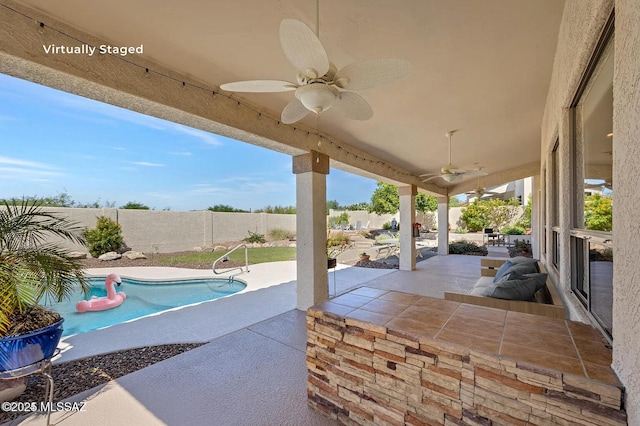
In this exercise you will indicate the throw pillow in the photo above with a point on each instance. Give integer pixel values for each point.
(521, 259)
(517, 270)
(522, 288)
(506, 265)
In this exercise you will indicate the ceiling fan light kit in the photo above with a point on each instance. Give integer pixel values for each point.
(320, 85)
(317, 97)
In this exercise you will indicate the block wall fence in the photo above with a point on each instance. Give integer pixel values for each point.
(159, 231)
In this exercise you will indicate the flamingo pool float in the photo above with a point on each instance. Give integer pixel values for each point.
(112, 300)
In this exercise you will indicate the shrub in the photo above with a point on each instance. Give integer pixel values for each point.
(466, 247)
(522, 244)
(489, 214)
(338, 239)
(281, 234)
(335, 221)
(461, 230)
(598, 212)
(254, 237)
(513, 230)
(386, 225)
(105, 237)
(366, 234)
(336, 244)
(475, 217)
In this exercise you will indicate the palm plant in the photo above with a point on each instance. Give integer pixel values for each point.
(32, 268)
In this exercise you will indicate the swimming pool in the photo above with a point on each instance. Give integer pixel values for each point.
(143, 298)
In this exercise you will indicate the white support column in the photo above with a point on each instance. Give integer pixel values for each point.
(311, 228)
(535, 220)
(443, 226)
(407, 219)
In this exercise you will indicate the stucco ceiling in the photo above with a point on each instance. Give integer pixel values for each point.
(483, 67)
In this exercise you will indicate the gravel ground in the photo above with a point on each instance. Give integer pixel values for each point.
(73, 377)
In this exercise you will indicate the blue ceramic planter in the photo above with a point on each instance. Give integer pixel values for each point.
(26, 349)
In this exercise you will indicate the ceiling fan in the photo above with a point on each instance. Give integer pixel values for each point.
(451, 173)
(480, 191)
(320, 85)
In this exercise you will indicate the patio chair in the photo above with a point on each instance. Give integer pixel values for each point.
(491, 236)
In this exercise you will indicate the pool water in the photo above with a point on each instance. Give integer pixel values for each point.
(143, 298)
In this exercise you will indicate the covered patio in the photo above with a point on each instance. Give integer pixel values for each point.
(257, 374)
(509, 75)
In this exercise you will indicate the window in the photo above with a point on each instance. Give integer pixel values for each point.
(555, 206)
(593, 186)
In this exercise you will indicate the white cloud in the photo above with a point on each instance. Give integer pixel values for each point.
(25, 170)
(207, 138)
(181, 154)
(146, 164)
(24, 163)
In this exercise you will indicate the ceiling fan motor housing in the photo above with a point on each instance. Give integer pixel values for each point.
(317, 97)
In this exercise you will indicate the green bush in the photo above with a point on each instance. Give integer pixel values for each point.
(255, 238)
(336, 221)
(336, 244)
(386, 226)
(466, 247)
(598, 213)
(489, 214)
(513, 230)
(475, 216)
(461, 230)
(281, 234)
(522, 244)
(338, 239)
(105, 237)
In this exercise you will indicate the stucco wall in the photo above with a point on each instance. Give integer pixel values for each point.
(152, 231)
(582, 25)
(626, 213)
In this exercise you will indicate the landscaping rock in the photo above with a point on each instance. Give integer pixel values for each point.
(77, 255)
(112, 255)
(11, 389)
(134, 255)
(220, 248)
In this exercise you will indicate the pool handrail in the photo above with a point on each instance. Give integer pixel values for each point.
(225, 257)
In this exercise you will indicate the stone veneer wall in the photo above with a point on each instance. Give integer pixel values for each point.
(360, 373)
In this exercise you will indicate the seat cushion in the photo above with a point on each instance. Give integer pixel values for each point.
(522, 288)
(481, 285)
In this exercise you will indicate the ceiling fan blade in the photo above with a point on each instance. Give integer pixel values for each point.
(259, 86)
(353, 106)
(431, 178)
(474, 173)
(456, 171)
(303, 49)
(371, 73)
(294, 111)
(452, 177)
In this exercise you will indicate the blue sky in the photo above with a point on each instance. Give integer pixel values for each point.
(53, 142)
